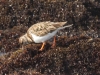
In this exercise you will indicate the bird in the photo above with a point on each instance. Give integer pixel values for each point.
(41, 32)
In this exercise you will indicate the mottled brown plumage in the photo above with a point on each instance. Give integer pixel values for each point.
(43, 28)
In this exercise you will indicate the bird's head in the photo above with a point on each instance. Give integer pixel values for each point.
(23, 40)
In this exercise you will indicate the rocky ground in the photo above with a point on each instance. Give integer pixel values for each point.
(77, 52)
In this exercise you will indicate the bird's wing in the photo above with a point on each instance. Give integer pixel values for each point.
(43, 28)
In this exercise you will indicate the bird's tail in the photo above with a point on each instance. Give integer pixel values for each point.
(65, 26)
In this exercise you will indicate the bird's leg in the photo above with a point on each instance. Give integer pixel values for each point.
(42, 47)
(54, 42)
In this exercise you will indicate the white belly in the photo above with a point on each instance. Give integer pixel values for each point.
(40, 39)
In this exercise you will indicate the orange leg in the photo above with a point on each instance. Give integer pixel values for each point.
(54, 42)
(42, 47)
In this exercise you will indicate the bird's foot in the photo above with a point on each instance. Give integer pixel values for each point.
(53, 45)
(54, 42)
(42, 47)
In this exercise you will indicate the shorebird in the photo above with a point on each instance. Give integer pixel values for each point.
(41, 32)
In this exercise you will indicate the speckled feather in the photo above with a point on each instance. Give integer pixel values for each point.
(43, 28)
(25, 38)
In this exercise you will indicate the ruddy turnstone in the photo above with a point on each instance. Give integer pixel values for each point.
(41, 32)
